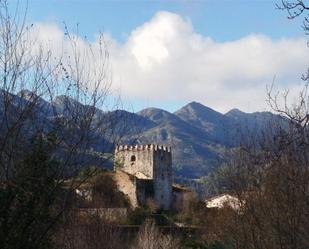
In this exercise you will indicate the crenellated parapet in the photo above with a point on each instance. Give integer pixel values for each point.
(143, 147)
(148, 161)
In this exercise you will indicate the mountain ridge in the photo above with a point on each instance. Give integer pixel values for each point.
(198, 134)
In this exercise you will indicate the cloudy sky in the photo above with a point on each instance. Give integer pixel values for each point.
(165, 54)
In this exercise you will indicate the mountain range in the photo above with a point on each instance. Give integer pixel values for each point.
(199, 135)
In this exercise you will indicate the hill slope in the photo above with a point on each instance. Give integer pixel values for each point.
(199, 135)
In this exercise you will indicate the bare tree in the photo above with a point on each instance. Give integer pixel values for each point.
(271, 179)
(270, 176)
(93, 233)
(149, 237)
(44, 139)
(295, 9)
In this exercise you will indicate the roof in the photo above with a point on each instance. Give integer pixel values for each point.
(141, 175)
(219, 196)
(220, 201)
(178, 187)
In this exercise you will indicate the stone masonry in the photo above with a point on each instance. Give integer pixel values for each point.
(148, 162)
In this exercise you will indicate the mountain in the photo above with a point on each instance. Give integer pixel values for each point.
(201, 116)
(211, 122)
(199, 135)
(193, 149)
(255, 124)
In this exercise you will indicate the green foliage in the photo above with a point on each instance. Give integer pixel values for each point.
(89, 172)
(193, 211)
(105, 192)
(215, 245)
(194, 244)
(102, 189)
(216, 181)
(138, 216)
(28, 200)
(118, 163)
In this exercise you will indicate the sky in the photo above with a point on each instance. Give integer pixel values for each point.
(165, 54)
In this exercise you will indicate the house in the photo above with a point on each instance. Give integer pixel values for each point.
(223, 200)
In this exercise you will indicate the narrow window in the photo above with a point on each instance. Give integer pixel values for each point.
(133, 158)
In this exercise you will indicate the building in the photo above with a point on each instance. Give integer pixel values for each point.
(144, 172)
(223, 200)
(182, 197)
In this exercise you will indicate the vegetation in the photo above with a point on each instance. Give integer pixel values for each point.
(44, 148)
(138, 216)
(44, 139)
(215, 182)
(150, 237)
(269, 175)
(31, 200)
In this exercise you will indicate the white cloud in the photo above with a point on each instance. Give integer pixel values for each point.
(165, 60)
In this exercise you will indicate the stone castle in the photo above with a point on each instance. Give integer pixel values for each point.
(148, 170)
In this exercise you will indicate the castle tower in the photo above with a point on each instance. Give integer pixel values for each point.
(148, 162)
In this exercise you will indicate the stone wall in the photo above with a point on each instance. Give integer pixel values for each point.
(145, 190)
(148, 162)
(110, 215)
(134, 159)
(182, 197)
(163, 178)
(127, 185)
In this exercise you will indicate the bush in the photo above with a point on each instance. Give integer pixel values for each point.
(138, 216)
(149, 237)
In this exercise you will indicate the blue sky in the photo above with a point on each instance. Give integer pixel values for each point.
(225, 27)
(222, 20)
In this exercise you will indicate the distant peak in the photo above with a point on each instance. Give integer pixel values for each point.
(151, 110)
(197, 108)
(235, 110)
(29, 95)
(194, 103)
(64, 99)
(156, 114)
(25, 93)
